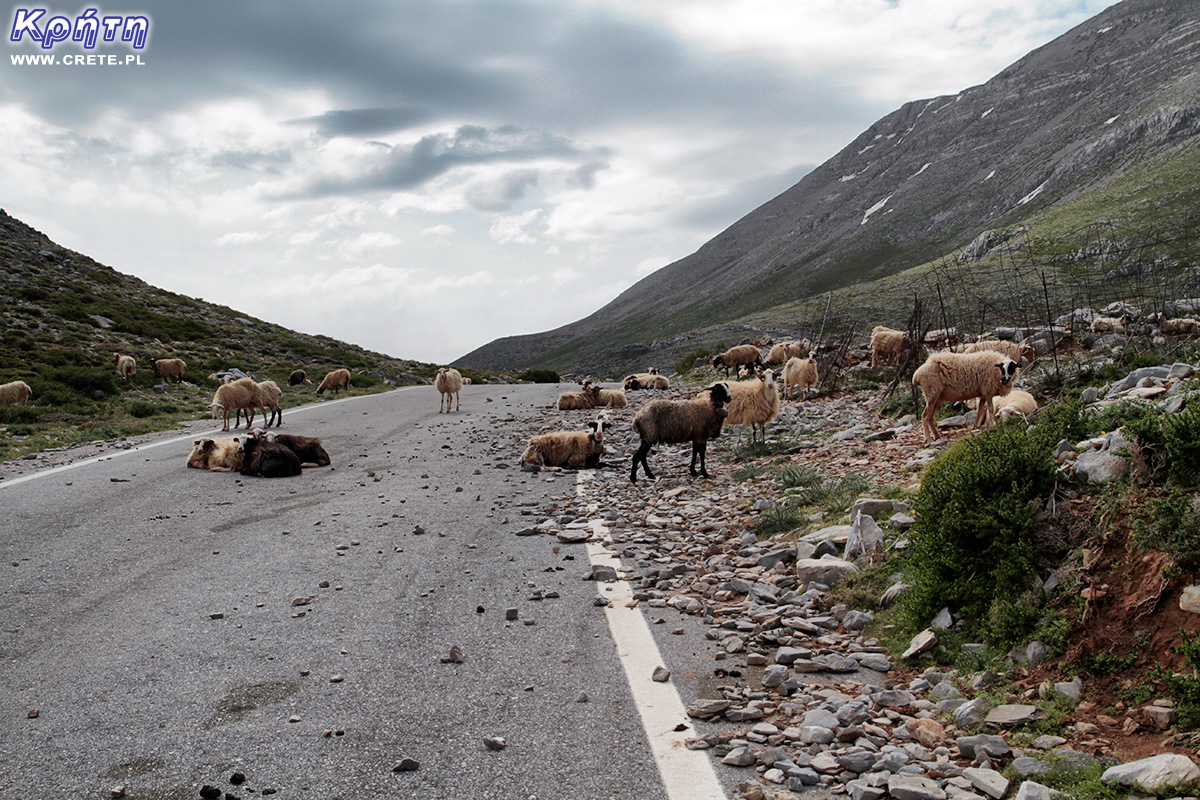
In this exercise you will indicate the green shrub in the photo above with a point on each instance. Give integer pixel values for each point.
(973, 545)
(685, 364)
(1185, 688)
(141, 409)
(539, 376)
(89, 383)
(10, 415)
(1171, 526)
(1170, 444)
(362, 380)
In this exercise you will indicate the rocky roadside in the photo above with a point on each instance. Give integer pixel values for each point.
(817, 705)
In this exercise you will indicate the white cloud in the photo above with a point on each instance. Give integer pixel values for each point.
(242, 237)
(511, 229)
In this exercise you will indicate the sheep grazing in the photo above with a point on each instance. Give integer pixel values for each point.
(16, 393)
(335, 381)
(611, 398)
(218, 455)
(270, 394)
(738, 356)
(646, 380)
(754, 403)
(268, 459)
(587, 397)
(241, 395)
(125, 366)
(949, 377)
(679, 421)
(307, 448)
(169, 368)
(800, 373)
(299, 378)
(1108, 325)
(1181, 326)
(449, 382)
(1016, 403)
(568, 449)
(781, 352)
(1016, 352)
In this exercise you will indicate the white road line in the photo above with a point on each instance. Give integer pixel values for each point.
(686, 774)
(141, 448)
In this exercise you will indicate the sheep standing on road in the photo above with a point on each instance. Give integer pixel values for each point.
(335, 381)
(218, 455)
(679, 421)
(754, 403)
(241, 395)
(950, 377)
(125, 366)
(169, 368)
(568, 449)
(738, 356)
(270, 394)
(15, 393)
(448, 382)
(802, 373)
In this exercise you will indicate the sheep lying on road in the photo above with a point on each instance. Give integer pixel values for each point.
(588, 397)
(679, 421)
(948, 377)
(646, 380)
(568, 449)
(218, 455)
(268, 459)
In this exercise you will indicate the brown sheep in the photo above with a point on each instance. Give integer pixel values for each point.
(949, 377)
(679, 421)
(169, 368)
(588, 397)
(299, 378)
(1015, 403)
(268, 459)
(334, 381)
(271, 394)
(800, 372)
(646, 380)
(611, 398)
(1181, 326)
(1013, 350)
(307, 448)
(738, 356)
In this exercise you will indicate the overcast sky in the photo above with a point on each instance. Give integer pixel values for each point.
(421, 177)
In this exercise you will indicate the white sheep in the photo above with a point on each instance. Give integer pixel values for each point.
(335, 381)
(241, 395)
(801, 373)
(679, 421)
(611, 398)
(568, 449)
(1016, 403)
(754, 403)
(448, 382)
(948, 377)
(1181, 326)
(125, 366)
(15, 393)
(738, 356)
(218, 455)
(169, 368)
(886, 345)
(1108, 325)
(1016, 352)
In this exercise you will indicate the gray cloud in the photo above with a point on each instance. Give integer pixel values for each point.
(408, 166)
(365, 121)
(504, 193)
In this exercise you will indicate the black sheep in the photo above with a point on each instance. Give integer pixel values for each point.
(268, 459)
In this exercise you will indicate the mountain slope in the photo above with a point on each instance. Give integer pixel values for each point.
(919, 183)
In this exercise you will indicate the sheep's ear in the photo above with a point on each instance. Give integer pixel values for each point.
(593, 426)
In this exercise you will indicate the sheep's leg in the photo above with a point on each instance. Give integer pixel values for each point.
(457, 401)
(701, 449)
(640, 455)
(929, 428)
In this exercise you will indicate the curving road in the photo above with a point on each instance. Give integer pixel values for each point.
(155, 633)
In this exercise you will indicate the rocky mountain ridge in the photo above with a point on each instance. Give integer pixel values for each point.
(922, 182)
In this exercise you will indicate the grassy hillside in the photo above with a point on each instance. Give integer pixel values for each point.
(65, 316)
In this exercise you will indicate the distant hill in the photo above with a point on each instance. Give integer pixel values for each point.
(1032, 154)
(61, 308)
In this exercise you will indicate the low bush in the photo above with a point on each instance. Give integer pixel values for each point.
(539, 376)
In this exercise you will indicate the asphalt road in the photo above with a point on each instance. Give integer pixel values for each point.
(150, 636)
